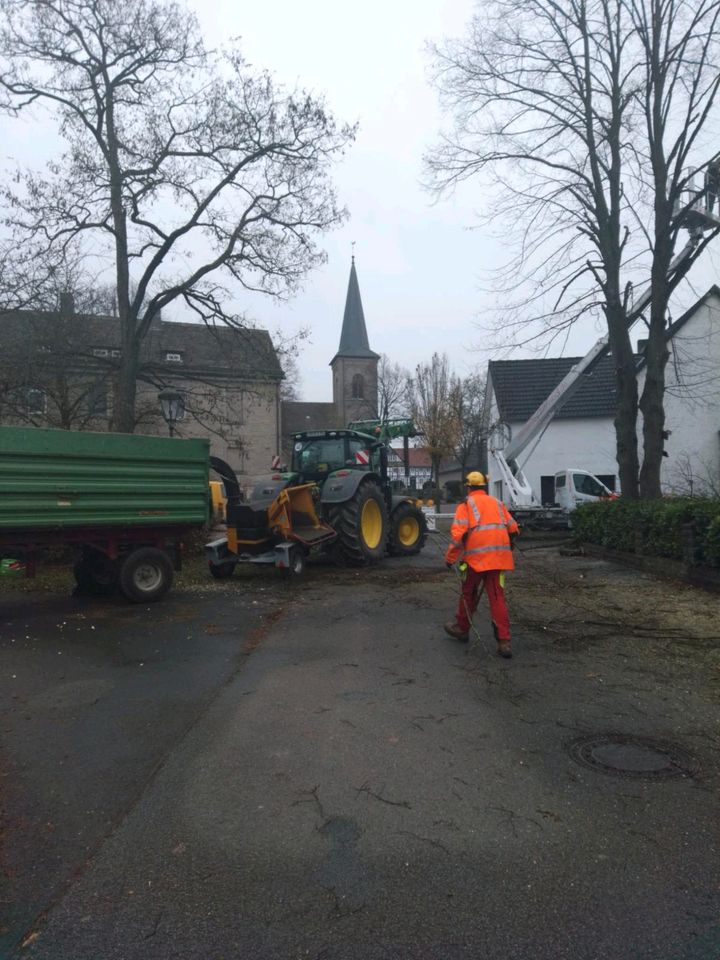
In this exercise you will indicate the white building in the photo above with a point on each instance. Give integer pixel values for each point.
(582, 435)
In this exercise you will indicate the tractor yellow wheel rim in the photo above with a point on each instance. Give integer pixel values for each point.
(408, 531)
(371, 525)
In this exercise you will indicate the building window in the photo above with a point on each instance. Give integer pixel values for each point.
(609, 479)
(358, 387)
(106, 352)
(173, 357)
(35, 401)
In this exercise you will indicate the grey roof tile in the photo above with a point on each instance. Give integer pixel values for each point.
(522, 385)
(298, 416)
(221, 350)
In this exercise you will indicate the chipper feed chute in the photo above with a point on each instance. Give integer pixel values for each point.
(292, 515)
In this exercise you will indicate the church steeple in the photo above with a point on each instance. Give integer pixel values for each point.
(355, 365)
(354, 338)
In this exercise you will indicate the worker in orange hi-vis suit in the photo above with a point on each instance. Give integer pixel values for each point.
(482, 536)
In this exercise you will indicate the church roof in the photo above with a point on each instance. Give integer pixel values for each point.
(299, 415)
(354, 338)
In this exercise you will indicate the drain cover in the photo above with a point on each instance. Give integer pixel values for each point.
(633, 757)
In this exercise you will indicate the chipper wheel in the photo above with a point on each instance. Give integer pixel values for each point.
(361, 524)
(408, 531)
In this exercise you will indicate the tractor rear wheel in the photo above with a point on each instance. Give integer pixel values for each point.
(408, 531)
(361, 524)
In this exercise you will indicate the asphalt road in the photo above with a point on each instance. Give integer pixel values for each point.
(268, 770)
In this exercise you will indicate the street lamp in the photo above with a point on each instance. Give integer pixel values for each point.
(173, 408)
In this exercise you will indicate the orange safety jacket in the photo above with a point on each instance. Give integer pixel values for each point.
(480, 533)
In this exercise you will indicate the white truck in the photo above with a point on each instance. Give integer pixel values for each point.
(574, 486)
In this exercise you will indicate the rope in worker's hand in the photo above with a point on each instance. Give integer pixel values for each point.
(478, 638)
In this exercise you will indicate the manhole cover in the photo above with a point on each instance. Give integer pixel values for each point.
(634, 757)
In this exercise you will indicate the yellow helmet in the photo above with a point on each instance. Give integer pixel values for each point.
(475, 479)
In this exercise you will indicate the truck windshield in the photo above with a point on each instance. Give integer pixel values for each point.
(587, 484)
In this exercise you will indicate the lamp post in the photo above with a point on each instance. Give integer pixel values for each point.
(173, 408)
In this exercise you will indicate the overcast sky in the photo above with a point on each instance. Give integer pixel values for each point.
(423, 267)
(418, 264)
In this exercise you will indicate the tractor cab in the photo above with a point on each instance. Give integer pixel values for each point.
(317, 454)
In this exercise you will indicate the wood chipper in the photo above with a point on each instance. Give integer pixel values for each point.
(282, 532)
(336, 497)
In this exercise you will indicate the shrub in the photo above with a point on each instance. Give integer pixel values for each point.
(654, 527)
(711, 543)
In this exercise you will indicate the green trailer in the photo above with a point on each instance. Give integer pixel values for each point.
(125, 502)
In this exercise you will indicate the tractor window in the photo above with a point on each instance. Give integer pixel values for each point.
(359, 454)
(321, 456)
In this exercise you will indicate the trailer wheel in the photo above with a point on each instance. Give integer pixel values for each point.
(146, 575)
(222, 571)
(408, 531)
(96, 574)
(297, 563)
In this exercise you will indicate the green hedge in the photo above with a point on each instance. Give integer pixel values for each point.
(652, 527)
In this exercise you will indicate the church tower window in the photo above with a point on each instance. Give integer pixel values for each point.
(358, 387)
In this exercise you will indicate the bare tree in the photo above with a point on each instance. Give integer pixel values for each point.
(434, 408)
(392, 389)
(186, 168)
(471, 420)
(587, 114)
(288, 350)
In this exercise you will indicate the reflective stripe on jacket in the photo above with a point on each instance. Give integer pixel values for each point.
(480, 533)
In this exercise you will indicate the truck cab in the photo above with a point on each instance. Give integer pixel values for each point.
(573, 487)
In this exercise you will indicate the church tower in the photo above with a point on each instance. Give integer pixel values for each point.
(355, 365)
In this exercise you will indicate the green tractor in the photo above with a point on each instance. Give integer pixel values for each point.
(335, 497)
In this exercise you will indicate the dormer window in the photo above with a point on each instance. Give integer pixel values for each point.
(173, 357)
(105, 352)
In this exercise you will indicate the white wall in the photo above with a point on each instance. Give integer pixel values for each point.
(692, 404)
(692, 414)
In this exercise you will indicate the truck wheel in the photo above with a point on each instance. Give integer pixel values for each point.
(361, 525)
(146, 575)
(408, 531)
(96, 574)
(222, 571)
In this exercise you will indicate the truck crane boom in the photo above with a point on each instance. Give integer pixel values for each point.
(573, 380)
(697, 215)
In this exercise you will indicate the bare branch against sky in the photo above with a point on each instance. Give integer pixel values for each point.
(189, 170)
(588, 115)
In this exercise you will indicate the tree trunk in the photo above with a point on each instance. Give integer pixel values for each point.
(653, 395)
(123, 418)
(627, 401)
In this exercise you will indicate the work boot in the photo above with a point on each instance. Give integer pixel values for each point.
(454, 631)
(504, 649)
